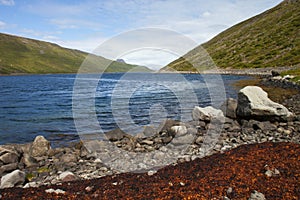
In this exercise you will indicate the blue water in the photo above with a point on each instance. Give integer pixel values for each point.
(42, 104)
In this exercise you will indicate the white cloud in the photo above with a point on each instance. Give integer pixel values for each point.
(152, 58)
(40, 35)
(88, 44)
(7, 2)
(75, 24)
(2, 24)
(199, 20)
(206, 14)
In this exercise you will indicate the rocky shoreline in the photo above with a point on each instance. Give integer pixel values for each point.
(210, 132)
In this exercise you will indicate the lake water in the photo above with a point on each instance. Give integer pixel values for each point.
(59, 106)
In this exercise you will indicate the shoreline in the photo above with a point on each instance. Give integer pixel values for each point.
(81, 165)
(46, 165)
(244, 72)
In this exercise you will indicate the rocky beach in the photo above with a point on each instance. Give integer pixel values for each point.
(235, 150)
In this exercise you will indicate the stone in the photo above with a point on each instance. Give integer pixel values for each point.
(67, 176)
(267, 126)
(39, 147)
(207, 114)
(166, 125)
(67, 158)
(288, 77)
(57, 191)
(192, 131)
(151, 172)
(167, 139)
(257, 196)
(89, 188)
(8, 168)
(269, 173)
(275, 73)
(253, 103)
(9, 157)
(31, 184)
(12, 179)
(29, 161)
(115, 135)
(148, 142)
(183, 140)
(229, 191)
(199, 140)
(229, 108)
(179, 130)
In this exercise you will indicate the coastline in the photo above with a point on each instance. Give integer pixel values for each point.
(84, 167)
(88, 162)
(244, 72)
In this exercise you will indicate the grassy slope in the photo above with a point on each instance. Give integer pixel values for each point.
(23, 55)
(267, 40)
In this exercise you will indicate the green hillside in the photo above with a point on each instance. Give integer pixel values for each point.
(23, 55)
(271, 39)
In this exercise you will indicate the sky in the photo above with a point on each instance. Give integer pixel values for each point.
(87, 24)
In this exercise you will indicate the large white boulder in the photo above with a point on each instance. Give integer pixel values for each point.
(253, 102)
(12, 179)
(207, 114)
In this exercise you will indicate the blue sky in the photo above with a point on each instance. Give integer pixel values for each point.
(86, 24)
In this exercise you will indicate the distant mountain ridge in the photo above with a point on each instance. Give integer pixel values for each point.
(270, 39)
(24, 55)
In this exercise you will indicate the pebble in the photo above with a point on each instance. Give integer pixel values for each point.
(151, 172)
(255, 195)
(229, 190)
(57, 191)
(89, 188)
(98, 160)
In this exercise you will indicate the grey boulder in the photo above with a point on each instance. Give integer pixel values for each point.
(39, 147)
(207, 114)
(229, 108)
(12, 179)
(253, 103)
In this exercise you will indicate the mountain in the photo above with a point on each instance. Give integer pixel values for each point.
(270, 39)
(120, 60)
(23, 55)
